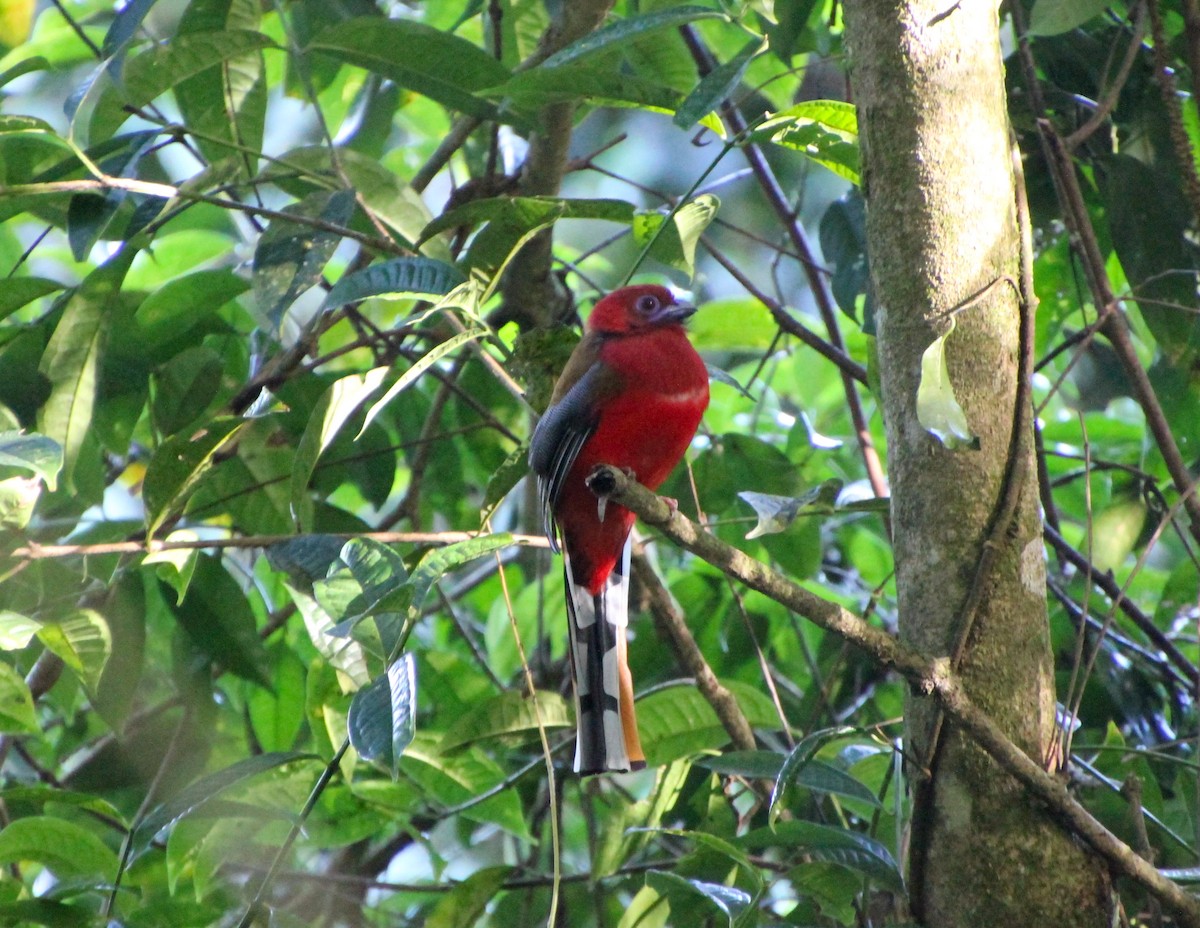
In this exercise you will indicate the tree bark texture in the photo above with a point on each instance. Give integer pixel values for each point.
(942, 229)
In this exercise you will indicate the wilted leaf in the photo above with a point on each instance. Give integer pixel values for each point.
(937, 406)
(776, 513)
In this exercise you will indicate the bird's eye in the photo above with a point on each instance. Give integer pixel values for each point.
(647, 304)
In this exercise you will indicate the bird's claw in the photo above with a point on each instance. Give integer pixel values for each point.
(600, 482)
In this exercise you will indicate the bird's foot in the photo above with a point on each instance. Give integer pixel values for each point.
(600, 482)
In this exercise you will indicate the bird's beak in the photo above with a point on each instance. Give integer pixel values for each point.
(676, 312)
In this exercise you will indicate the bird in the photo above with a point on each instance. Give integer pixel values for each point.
(632, 395)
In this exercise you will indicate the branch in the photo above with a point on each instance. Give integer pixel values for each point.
(929, 677)
(36, 552)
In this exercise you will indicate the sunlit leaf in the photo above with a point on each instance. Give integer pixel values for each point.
(937, 406)
(16, 704)
(68, 849)
(342, 400)
(825, 131)
(83, 641)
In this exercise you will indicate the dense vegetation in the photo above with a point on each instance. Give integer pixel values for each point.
(278, 630)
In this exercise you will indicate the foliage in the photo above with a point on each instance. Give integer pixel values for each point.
(266, 559)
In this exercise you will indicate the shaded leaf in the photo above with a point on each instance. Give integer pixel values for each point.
(724, 900)
(21, 291)
(436, 564)
(290, 256)
(382, 719)
(843, 237)
(203, 791)
(1053, 17)
(798, 759)
(627, 30)
(337, 404)
(218, 619)
(419, 278)
(466, 902)
(716, 86)
(178, 465)
(409, 377)
(822, 842)
(937, 406)
(72, 358)
(758, 765)
(438, 64)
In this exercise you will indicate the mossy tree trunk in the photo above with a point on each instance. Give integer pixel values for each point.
(942, 230)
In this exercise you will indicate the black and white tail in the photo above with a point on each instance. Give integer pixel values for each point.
(606, 727)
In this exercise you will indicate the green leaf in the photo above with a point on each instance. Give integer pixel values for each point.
(716, 86)
(437, 64)
(18, 497)
(466, 902)
(436, 564)
(185, 387)
(64, 847)
(382, 719)
(21, 291)
(1054, 17)
(203, 791)
(337, 404)
(291, 256)
(799, 758)
(152, 73)
(45, 912)
(824, 131)
(509, 713)
(937, 406)
(722, 900)
(16, 630)
(1151, 234)
(71, 361)
(598, 84)
(125, 25)
(822, 842)
(776, 513)
(843, 237)
(628, 30)
(179, 304)
(83, 641)
(1115, 531)
(674, 243)
(218, 619)
(226, 105)
(37, 453)
(178, 466)
(416, 278)
(757, 765)
(504, 478)
(409, 377)
(16, 705)
(821, 777)
(677, 721)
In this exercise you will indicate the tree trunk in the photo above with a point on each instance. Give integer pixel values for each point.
(942, 229)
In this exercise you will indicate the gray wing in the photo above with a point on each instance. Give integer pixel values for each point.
(557, 439)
